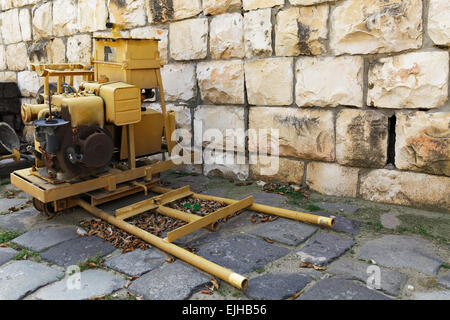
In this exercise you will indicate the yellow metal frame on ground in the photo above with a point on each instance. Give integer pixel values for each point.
(194, 222)
(117, 184)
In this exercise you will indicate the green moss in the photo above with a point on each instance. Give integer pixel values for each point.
(7, 235)
(91, 263)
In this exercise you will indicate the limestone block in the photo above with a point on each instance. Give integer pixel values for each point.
(361, 138)
(42, 21)
(189, 39)
(376, 26)
(332, 179)
(410, 80)
(270, 168)
(79, 48)
(269, 81)
(221, 121)
(258, 33)
(423, 142)
(92, 15)
(65, 17)
(406, 188)
(439, 22)
(329, 81)
(214, 7)
(302, 133)
(221, 81)
(226, 36)
(130, 13)
(179, 81)
(258, 4)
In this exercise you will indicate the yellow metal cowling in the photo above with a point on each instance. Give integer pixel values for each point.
(84, 110)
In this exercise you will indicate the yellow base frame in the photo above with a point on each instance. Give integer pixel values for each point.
(65, 196)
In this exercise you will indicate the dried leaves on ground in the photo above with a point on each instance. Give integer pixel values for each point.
(155, 224)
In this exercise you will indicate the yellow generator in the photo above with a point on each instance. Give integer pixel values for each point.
(80, 134)
(87, 143)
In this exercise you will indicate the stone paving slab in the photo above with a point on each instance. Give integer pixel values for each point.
(43, 238)
(19, 278)
(338, 207)
(267, 198)
(197, 183)
(432, 295)
(171, 281)
(323, 248)
(19, 221)
(276, 286)
(6, 254)
(216, 192)
(6, 204)
(137, 262)
(402, 252)
(341, 289)
(93, 283)
(73, 251)
(444, 281)
(285, 231)
(241, 253)
(343, 224)
(392, 282)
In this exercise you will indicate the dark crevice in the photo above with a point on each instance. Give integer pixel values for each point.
(391, 140)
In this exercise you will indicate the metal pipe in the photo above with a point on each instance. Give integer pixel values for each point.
(184, 216)
(225, 274)
(290, 214)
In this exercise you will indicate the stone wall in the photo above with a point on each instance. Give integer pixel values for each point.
(357, 88)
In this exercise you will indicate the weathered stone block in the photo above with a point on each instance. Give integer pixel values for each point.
(23, 3)
(154, 33)
(130, 13)
(179, 81)
(258, 33)
(79, 48)
(189, 39)
(92, 15)
(423, 142)
(226, 165)
(225, 120)
(258, 4)
(25, 24)
(11, 26)
(221, 81)
(220, 6)
(305, 134)
(182, 119)
(376, 26)
(307, 2)
(8, 76)
(28, 82)
(301, 31)
(406, 188)
(2, 57)
(226, 36)
(411, 80)
(438, 22)
(361, 138)
(332, 179)
(65, 17)
(276, 169)
(269, 81)
(161, 11)
(329, 81)
(17, 57)
(42, 21)
(56, 51)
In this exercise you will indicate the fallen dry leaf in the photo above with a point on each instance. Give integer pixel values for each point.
(207, 292)
(295, 296)
(91, 264)
(215, 283)
(268, 240)
(170, 260)
(134, 278)
(3, 245)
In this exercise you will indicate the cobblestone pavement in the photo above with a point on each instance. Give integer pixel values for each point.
(375, 251)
